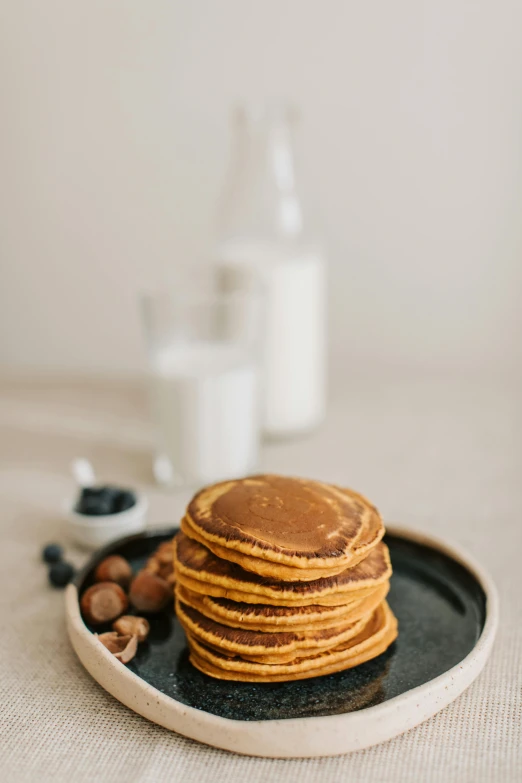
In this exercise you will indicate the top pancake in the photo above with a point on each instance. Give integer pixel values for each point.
(296, 522)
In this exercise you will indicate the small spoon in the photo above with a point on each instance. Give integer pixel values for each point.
(83, 472)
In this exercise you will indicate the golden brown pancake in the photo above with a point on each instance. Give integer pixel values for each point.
(371, 534)
(373, 530)
(217, 672)
(281, 579)
(265, 567)
(374, 639)
(335, 599)
(264, 617)
(201, 571)
(258, 643)
(293, 522)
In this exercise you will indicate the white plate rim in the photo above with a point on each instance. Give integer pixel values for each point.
(309, 737)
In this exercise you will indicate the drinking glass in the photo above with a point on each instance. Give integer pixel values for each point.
(203, 350)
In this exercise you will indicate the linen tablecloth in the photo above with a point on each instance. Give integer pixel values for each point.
(440, 454)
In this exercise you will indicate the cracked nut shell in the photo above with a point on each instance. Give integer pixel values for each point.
(122, 647)
(129, 625)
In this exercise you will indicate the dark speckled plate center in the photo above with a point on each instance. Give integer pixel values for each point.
(441, 610)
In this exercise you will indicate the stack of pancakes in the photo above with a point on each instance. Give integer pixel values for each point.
(282, 579)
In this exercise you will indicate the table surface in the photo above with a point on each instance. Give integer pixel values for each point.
(440, 454)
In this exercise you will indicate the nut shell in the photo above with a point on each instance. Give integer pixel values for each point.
(114, 569)
(103, 602)
(122, 647)
(149, 592)
(129, 625)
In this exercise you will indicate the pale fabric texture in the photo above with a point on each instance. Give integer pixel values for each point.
(444, 457)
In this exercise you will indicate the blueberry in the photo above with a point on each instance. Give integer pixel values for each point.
(125, 500)
(97, 501)
(95, 506)
(52, 553)
(110, 494)
(60, 574)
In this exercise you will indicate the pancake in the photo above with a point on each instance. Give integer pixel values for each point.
(375, 628)
(263, 617)
(287, 521)
(335, 599)
(375, 638)
(201, 571)
(264, 567)
(281, 579)
(370, 536)
(258, 643)
(210, 669)
(373, 529)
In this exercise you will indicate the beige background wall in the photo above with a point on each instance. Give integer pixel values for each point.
(113, 143)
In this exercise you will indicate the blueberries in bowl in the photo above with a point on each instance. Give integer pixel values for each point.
(105, 500)
(125, 500)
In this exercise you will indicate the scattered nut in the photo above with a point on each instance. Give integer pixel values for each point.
(128, 625)
(122, 647)
(103, 602)
(164, 552)
(114, 569)
(149, 593)
(162, 562)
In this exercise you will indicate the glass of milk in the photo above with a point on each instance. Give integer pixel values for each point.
(203, 349)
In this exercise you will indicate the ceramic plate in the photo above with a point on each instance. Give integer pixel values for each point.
(447, 611)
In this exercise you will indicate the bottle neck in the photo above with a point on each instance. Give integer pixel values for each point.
(260, 200)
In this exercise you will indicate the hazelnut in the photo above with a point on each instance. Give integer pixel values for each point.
(164, 553)
(162, 562)
(103, 602)
(122, 647)
(114, 569)
(149, 593)
(163, 571)
(152, 566)
(128, 625)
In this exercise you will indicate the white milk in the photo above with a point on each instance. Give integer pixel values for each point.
(294, 348)
(204, 400)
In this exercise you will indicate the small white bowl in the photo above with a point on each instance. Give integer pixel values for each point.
(96, 531)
